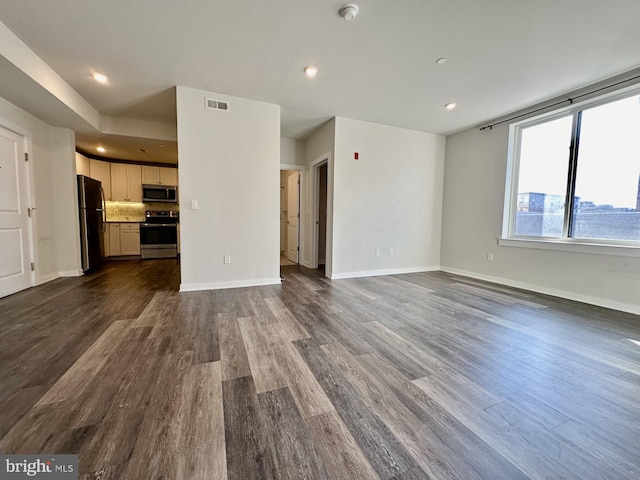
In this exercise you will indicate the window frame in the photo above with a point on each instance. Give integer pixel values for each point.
(564, 243)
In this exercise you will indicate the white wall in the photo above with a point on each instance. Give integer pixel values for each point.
(391, 198)
(229, 163)
(292, 152)
(52, 166)
(66, 228)
(319, 145)
(321, 142)
(473, 204)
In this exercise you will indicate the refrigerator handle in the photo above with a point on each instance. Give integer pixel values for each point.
(104, 211)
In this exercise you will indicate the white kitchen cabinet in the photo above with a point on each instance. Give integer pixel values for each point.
(119, 188)
(150, 175)
(129, 239)
(113, 230)
(124, 239)
(168, 176)
(101, 171)
(126, 182)
(159, 176)
(134, 183)
(82, 165)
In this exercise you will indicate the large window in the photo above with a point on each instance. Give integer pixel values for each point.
(576, 175)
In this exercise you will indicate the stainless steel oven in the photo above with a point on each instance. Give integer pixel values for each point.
(159, 234)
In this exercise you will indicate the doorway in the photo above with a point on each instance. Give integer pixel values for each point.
(289, 217)
(322, 217)
(320, 243)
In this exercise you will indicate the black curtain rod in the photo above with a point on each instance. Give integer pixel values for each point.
(556, 104)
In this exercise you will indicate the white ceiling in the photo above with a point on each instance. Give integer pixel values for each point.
(502, 54)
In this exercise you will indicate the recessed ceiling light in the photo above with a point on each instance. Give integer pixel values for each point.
(101, 149)
(311, 71)
(100, 77)
(441, 61)
(450, 105)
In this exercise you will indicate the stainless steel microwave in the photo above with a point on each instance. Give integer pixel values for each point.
(159, 193)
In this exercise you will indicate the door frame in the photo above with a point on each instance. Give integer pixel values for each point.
(31, 197)
(315, 194)
(301, 189)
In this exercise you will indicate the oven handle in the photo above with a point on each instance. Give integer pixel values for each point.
(159, 225)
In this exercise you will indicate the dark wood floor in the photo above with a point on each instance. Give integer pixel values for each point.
(402, 377)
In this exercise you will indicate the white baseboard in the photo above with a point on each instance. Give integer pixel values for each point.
(46, 278)
(11, 291)
(70, 273)
(386, 271)
(257, 282)
(52, 276)
(600, 302)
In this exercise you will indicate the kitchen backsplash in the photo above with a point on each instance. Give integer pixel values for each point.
(133, 212)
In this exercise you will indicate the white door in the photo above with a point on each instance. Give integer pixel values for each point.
(15, 242)
(293, 207)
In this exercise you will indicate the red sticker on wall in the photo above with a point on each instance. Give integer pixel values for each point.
(355, 155)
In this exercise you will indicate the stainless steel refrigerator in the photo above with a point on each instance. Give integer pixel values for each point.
(92, 222)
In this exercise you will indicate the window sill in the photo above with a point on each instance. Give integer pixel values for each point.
(572, 246)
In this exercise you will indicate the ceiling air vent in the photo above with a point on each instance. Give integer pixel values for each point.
(212, 104)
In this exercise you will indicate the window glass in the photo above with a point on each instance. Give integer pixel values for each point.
(542, 178)
(607, 193)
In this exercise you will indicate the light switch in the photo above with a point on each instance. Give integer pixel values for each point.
(194, 204)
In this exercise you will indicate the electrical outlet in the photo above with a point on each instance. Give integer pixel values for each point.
(194, 204)
(490, 257)
(377, 252)
(227, 259)
(391, 252)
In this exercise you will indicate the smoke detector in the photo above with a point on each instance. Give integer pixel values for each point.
(349, 11)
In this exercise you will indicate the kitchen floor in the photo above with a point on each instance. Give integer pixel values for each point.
(414, 376)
